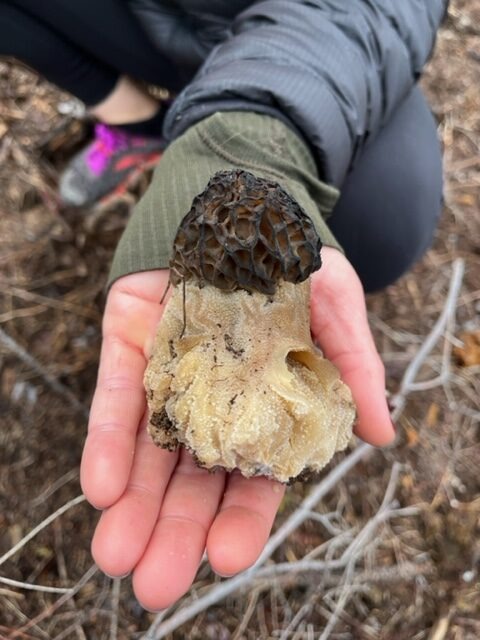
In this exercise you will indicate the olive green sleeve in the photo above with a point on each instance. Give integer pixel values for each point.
(257, 143)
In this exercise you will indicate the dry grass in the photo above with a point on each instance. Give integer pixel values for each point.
(415, 508)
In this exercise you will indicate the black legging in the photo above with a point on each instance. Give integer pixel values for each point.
(390, 201)
(83, 47)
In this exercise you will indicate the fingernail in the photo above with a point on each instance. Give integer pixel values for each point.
(225, 575)
(125, 575)
(151, 610)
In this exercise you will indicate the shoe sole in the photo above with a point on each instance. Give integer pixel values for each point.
(129, 182)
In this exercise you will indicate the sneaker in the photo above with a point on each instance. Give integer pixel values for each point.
(106, 165)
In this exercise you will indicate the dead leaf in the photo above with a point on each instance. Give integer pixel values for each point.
(431, 419)
(440, 629)
(413, 437)
(469, 354)
(290, 555)
(466, 199)
(407, 482)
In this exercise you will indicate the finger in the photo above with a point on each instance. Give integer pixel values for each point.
(145, 285)
(241, 529)
(168, 567)
(340, 326)
(124, 529)
(133, 308)
(117, 408)
(119, 401)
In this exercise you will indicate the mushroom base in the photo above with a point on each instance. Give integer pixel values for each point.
(241, 384)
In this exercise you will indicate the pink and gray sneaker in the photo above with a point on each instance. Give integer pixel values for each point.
(107, 165)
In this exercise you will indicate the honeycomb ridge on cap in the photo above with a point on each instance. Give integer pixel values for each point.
(244, 232)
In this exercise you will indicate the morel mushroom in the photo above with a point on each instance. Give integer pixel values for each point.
(234, 375)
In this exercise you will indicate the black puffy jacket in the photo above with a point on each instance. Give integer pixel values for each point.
(334, 70)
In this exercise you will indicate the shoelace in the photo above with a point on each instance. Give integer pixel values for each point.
(107, 141)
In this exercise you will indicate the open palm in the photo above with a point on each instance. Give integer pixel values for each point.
(160, 511)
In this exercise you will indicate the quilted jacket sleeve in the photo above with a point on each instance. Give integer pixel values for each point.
(332, 70)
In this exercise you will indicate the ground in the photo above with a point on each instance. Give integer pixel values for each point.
(417, 578)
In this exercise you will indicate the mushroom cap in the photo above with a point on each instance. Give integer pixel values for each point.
(244, 232)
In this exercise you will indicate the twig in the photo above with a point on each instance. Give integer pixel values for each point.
(58, 603)
(55, 486)
(160, 628)
(82, 617)
(49, 380)
(404, 571)
(14, 314)
(62, 570)
(10, 606)
(334, 581)
(64, 305)
(298, 617)
(298, 635)
(261, 619)
(116, 583)
(156, 624)
(400, 337)
(299, 566)
(408, 381)
(348, 558)
(383, 512)
(325, 521)
(302, 513)
(446, 372)
(352, 552)
(24, 635)
(273, 593)
(252, 601)
(39, 527)
(32, 587)
(329, 546)
(440, 629)
(12, 594)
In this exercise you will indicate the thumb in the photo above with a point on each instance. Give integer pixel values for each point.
(340, 327)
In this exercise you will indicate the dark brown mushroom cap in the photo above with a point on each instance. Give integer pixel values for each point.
(244, 232)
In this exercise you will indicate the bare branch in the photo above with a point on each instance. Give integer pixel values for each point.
(62, 570)
(353, 551)
(445, 318)
(217, 593)
(32, 587)
(42, 525)
(55, 486)
(116, 583)
(57, 604)
(252, 601)
(162, 627)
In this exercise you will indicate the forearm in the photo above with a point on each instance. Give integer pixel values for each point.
(335, 71)
(259, 144)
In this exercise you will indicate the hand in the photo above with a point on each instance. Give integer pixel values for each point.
(160, 511)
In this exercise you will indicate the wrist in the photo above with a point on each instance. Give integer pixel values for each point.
(256, 143)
